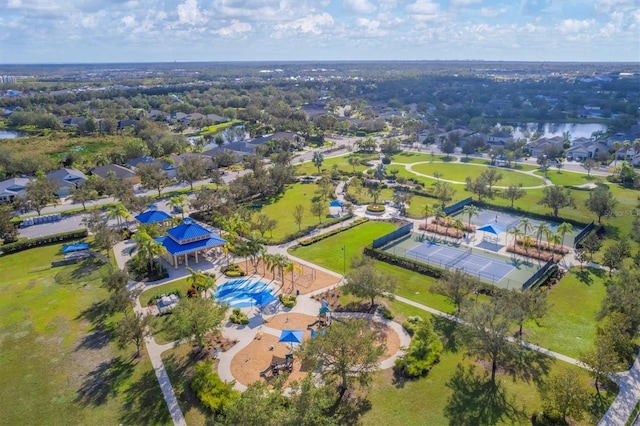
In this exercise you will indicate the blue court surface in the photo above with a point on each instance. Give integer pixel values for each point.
(451, 257)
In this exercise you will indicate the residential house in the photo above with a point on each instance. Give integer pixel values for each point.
(12, 188)
(67, 179)
(168, 167)
(539, 146)
(294, 139)
(123, 124)
(239, 149)
(597, 148)
(156, 115)
(499, 139)
(135, 162)
(73, 121)
(179, 159)
(121, 173)
(578, 153)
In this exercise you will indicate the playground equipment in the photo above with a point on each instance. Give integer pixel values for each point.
(324, 317)
(279, 365)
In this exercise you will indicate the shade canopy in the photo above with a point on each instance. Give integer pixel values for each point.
(491, 229)
(335, 203)
(263, 298)
(291, 336)
(153, 216)
(75, 247)
(325, 309)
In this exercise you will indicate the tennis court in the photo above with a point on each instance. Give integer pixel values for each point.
(464, 259)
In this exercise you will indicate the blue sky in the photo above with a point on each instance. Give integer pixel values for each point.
(61, 31)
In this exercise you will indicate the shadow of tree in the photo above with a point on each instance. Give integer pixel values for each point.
(144, 403)
(180, 370)
(527, 365)
(349, 410)
(104, 381)
(584, 276)
(95, 340)
(447, 330)
(475, 401)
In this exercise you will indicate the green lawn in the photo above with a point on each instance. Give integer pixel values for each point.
(560, 177)
(218, 127)
(423, 401)
(459, 173)
(365, 198)
(281, 209)
(58, 364)
(328, 252)
(342, 163)
(570, 324)
(407, 157)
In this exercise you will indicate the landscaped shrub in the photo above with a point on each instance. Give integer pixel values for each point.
(138, 267)
(424, 351)
(386, 313)
(444, 221)
(411, 324)
(534, 254)
(22, 245)
(288, 300)
(375, 208)
(405, 263)
(321, 237)
(210, 389)
(239, 317)
(450, 232)
(232, 270)
(545, 246)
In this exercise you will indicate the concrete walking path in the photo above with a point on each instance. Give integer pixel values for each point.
(628, 396)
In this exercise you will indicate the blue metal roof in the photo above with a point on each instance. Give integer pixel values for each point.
(177, 249)
(188, 230)
(153, 216)
(335, 203)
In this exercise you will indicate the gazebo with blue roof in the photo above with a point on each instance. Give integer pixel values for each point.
(153, 215)
(188, 238)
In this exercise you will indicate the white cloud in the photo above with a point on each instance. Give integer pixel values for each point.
(359, 6)
(464, 2)
(311, 24)
(568, 26)
(190, 14)
(128, 21)
(89, 22)
(424, 10)
(489, 12)
(233, 29)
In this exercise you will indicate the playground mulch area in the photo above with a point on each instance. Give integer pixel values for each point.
(305, 278)
(256, 356)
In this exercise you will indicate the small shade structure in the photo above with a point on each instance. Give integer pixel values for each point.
(325, 309)
(493, 230)
(291, 336)
(75, 247)
(335, 208)
(264, 298)
(153, 215)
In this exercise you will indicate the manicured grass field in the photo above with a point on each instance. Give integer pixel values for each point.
(407, 157)
(459, 173)
(570, 324)
(423, 401)
(281, 209)
(218, 127)
(342, 162)
(328, 252)
(58, 364)
(560, 177)
(182, 284)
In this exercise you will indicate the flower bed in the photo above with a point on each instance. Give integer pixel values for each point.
(443, 222)
(450, 232)
(545, 246)
(375, 209)
(232, 271)
(534, 254)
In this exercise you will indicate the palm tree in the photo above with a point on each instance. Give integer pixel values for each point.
(563, 229)
(541, 229)
(616, 147)
(457, 224)
(200, 280)
(428, 211)
(517, 233)
(269, 263)
(117, 211)
(178, 202)
(526, 243)
(526, 224)
(375, 194)
(470, 210)
(254, 248)
(148, 247)
(554, 238)
(353, 162)
(438, 213)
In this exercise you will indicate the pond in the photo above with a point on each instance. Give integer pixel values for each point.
(9, 134)
(549, 130)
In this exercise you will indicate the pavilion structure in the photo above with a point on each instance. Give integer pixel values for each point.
(153, 215)
(186, 240)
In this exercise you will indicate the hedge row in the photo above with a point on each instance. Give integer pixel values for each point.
(305, 231)
(321, 237)
(42, 241)
(405, 263)
(526, 213)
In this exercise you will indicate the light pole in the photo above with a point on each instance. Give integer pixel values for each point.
(344, 260)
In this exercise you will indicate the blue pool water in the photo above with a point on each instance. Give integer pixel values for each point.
(241, 293)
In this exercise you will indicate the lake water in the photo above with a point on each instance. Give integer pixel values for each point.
(549, 130)
(8, 134)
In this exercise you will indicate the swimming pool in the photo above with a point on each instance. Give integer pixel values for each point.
(243, 293)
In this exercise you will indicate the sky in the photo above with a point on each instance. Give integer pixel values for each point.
(89, 31)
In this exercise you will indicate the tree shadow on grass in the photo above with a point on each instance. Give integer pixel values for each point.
(350, 409)
(527, 365)
(144, 403)
(104, 381)
(180, 370)
(446, 329)
(96, 313)
(97, 339)
(474, 400)
(584, 276)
